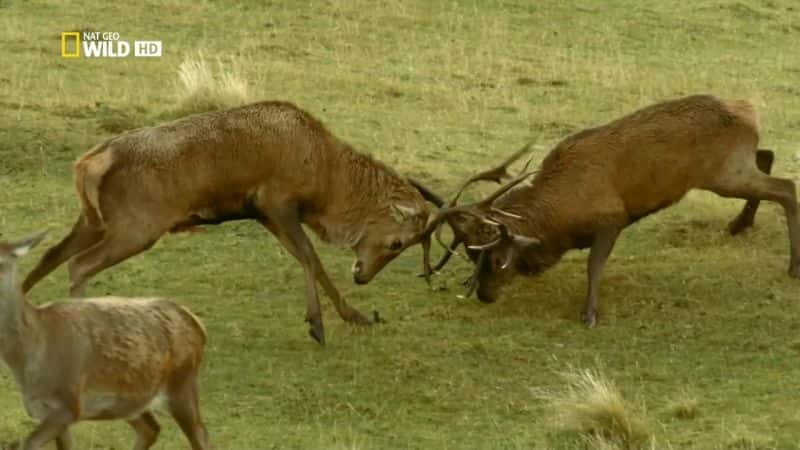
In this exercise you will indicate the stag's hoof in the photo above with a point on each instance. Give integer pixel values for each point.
(485, 298)
(794, 270)
(589, 318)
(427, 277)
(355, 316)
(738, 225)
(316, 330)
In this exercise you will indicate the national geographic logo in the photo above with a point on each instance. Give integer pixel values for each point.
(107, 44)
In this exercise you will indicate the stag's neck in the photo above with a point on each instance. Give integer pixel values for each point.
(528, 211)
(361, 189)
(17, 325)
(552, 208)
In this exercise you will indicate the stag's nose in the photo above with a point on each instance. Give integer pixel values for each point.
(357, 266)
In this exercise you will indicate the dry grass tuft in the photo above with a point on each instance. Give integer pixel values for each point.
(200, 90)
(683, 406)
(591, 404)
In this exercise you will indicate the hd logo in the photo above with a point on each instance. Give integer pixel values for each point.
(94, 44)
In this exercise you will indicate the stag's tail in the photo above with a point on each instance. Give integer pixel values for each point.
(89, 172)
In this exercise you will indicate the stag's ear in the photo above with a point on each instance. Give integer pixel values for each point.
(401, 213)
(524, 242)
(22, 247)
(426, 193)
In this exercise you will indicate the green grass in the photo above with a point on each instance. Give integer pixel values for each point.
(437, 90)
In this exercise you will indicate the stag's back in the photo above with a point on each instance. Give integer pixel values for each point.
(214, 155)
(652, 157)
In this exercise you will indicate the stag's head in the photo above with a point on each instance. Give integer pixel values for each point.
(500, 257)
(386, 237)
(496, 251)
(391, 230)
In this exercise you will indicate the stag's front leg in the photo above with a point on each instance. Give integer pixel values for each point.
(601, 247)
(346, 312)
(287, 228)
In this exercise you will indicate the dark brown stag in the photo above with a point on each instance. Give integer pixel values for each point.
(597, 182)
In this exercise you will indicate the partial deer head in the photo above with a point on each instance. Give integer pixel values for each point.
(393, 230)
(467, 222)
(496, 252)
(9, 253)
(396, 228)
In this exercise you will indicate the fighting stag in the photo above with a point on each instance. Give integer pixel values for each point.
(271, 162)
(596, 182)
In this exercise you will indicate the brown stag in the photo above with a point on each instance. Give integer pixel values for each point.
(595, 183)
(268, 161)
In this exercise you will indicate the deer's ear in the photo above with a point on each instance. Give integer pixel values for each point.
(524, 242)
(22, 247)
(401, 213)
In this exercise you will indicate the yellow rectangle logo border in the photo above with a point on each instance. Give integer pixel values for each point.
(64, 36)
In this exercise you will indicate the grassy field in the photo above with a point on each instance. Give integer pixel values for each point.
(698, 330)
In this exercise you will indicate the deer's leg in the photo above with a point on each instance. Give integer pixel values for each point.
(184, 406)
(598, 255)
(116, 246)
(297, 243)
(64, 440)
(80, 238)
(53, 427)
(749, 183)
(745, 219)
(280, 224)
(147, 430)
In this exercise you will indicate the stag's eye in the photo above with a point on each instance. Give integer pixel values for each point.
(396, 245)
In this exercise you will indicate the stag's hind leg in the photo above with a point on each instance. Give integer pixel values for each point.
(118, 244)
(147, 430)
(745, 219)
(82, 236)
(64, 440)
(741, 180)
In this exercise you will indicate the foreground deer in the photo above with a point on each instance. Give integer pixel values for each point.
(99, 359)
(270, 162)
(597, 182)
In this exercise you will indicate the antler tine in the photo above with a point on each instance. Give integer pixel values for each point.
(471, 208)
(504, 236)
(426, 193)
(472, 281)
(450, 250)
(426, 259)
(527, 163)
(495, 174)
(433, 227)
(505, 188)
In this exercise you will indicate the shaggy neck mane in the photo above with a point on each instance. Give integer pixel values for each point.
(533, 202)
(364, 190)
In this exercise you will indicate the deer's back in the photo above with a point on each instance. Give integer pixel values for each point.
(651, 158)
(121, 344)
(220, 155)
